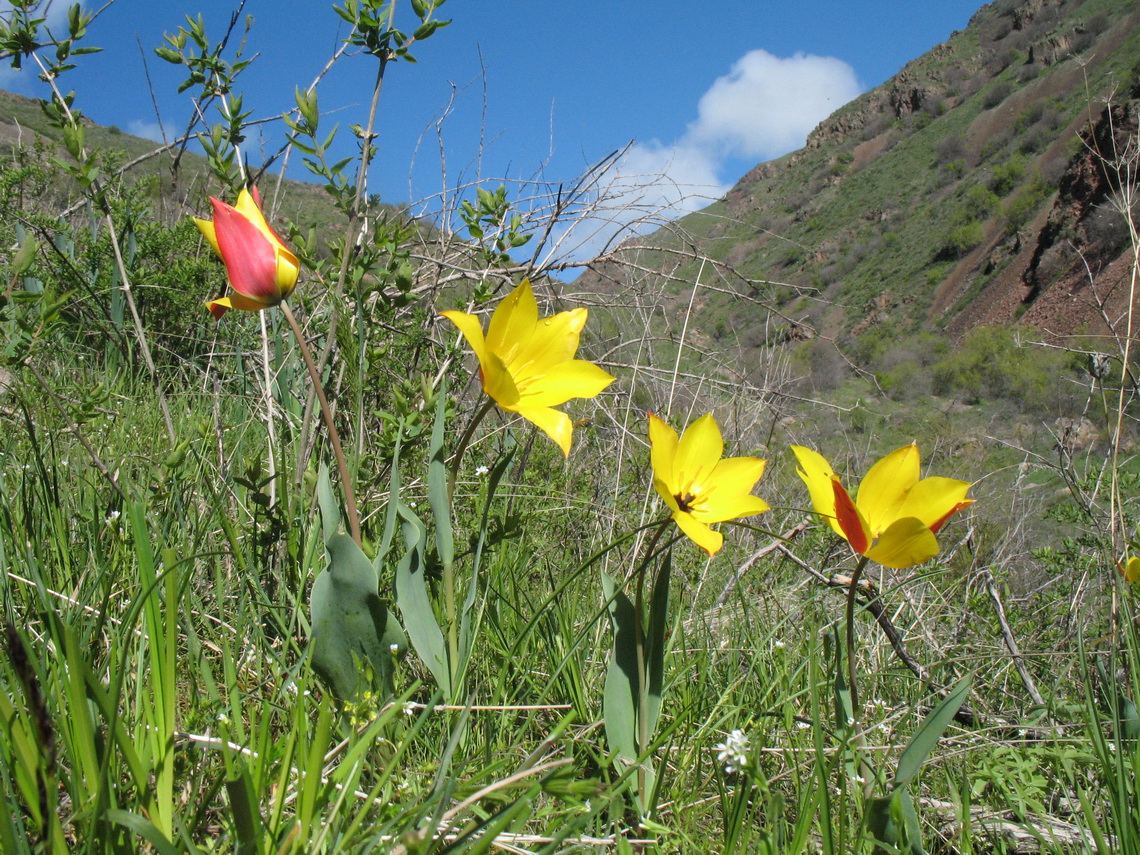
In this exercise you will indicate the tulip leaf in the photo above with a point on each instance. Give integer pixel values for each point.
(415, 604)
(353, 632)
(393, 502)
(929, 732)
(893, 822)
(622, 688)
(437, 482)
(655, 641)
(330, 510)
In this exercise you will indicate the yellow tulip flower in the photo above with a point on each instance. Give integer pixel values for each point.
(526, 363)
(894, 516)
(261, 269)
(697, 485)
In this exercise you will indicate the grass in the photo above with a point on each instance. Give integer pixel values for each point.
(158, 691)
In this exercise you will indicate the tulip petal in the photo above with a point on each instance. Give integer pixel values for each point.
(251, 259)
(905, 543)
(554, 340)
(472, 330)
(666, 494)
(554, 423)
(698, 452)
(885, 487)
(235, 301)
(699, 533)
(288, 270)
(851, 522)
(933, 500)
(513, 323)
(498, 382)
(662, 452)
(818, 475)
(1131, 570)
(575, 378)
(729, 506)
(206, 227)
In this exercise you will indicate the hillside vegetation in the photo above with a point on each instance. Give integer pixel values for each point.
(979, 186)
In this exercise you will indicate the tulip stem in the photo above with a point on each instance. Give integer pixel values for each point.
(852, 670)
(464, 441)
(326, 412)
(642, 674)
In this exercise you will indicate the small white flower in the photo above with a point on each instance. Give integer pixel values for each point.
(779, 644)
(409, 708)
(733, 752)
(394, 648)
(480, 471)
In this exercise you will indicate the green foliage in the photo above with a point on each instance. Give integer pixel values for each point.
(991, 363)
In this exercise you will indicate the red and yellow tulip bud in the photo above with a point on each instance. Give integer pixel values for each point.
(261, 269)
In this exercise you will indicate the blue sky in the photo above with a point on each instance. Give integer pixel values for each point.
(704, 91)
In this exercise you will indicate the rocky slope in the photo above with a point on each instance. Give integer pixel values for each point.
(976, 187)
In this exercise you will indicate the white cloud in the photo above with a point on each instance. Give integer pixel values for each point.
(763, 108)
(24, 80)
(767, 105)
(146, 130)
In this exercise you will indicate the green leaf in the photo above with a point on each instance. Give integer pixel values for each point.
(881, 821)
(330, 509)
(144, 828)
(623, 682)
(352, 629)
(74, 137)
(247, 821)
(415, 604)
(24, 256)
(910, 823)
(655, 642)
(929, 732)
(437, 482)
(170, 55)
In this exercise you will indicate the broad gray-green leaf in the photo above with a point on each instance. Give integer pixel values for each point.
(415, 604)
(326, 499)
(929, 732)
(353, 632)
(623, 683)
(655, 642)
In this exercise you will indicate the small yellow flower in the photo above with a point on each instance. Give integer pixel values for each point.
(527, 364)
(261, 269)
(895, 515)
(698, 486)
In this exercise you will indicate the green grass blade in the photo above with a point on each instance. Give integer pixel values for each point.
(437, 482)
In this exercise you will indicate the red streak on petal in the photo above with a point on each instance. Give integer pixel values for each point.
(848, 518)
(942, 521)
